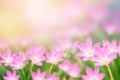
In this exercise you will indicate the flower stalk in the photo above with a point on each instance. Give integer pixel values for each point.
(50, 70)
(30, 71)
(23, 74)
(110, 72)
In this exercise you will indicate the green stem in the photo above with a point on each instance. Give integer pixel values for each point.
(60, 72)
(30, 72)
(23, 74)
(80, 62)
(2, 67)
(50, 69)
(110, 72)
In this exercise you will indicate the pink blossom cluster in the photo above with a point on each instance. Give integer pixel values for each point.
(35, 55)
(100, 54)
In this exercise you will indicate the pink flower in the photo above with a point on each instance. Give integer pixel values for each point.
(110, 27)
(7, 58)
(19, 61)
(11, 76)
(111, 46)
(74, 71)
(35, 54)
(65, 66)
(87, 50)
(71, 69)
(93, 74)
(55, 56)
(103, 57)
(64, 44)
(38, 75)
(52, 77)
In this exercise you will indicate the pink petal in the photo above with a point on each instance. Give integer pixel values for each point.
(112, 56)
(9, 73)
(114, 44)
(96, 71)
(80, 54)
(101, 76)
(33, 74)
(38, 72)
(89, 42)
(84, 77)
(96, 45)
(81, 46)
(89, 71)
(43, 74)
(106, 43)
(9, 52)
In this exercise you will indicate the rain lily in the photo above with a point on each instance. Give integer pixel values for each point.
(38, 75)
(87, 51)
(103, 57)
(71, 69)
(55, 56)
(111, 46)
(7, 58)
(36, 55)
(93, 74)
(52, 77)
(74, 71)
(64, 44)
(65, 66)
(110, 27)
(11, 76)
(19, 61)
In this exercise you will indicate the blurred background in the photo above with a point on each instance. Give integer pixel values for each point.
(59, 23)
(44, 21)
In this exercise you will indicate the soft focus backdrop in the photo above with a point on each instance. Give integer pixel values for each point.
(45, 20)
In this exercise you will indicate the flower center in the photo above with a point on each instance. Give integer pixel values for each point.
(20, 66)
(104, 61)
(89, 53)
(94, 78)
(9, 60)
(38, 78)
(52, 60)
(35, 59)
(12, 78)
